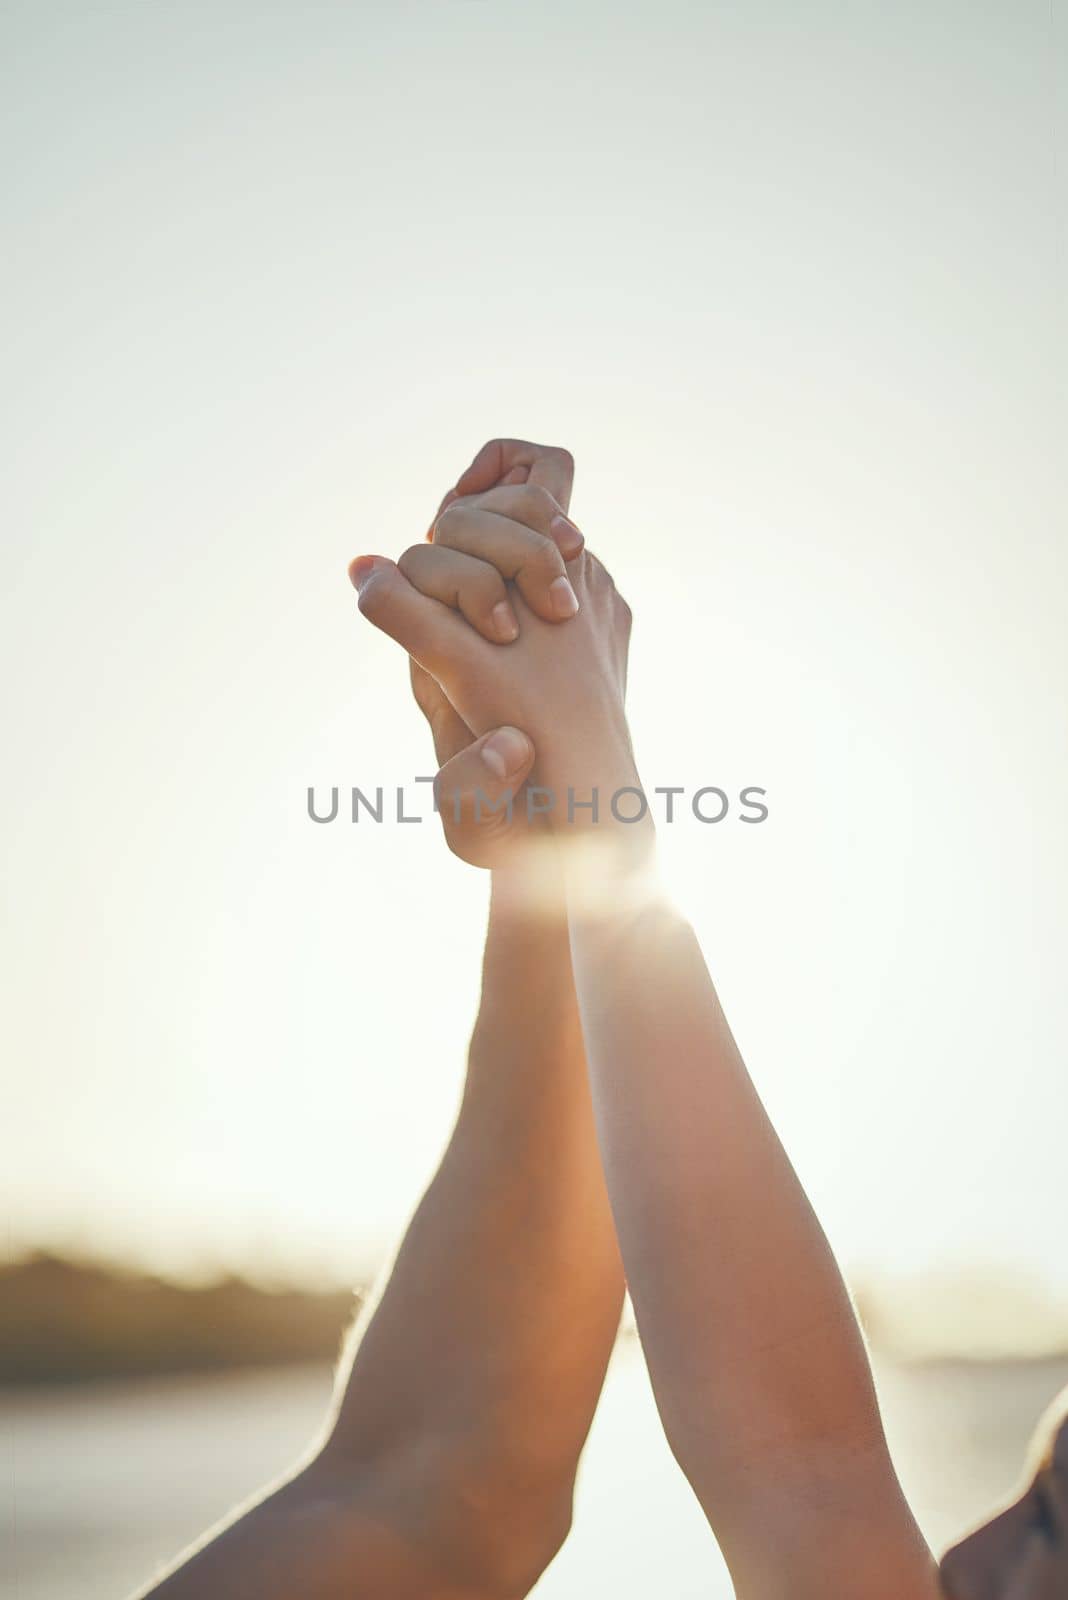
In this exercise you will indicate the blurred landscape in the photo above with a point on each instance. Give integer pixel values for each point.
(65, 1320)
(68, 1321)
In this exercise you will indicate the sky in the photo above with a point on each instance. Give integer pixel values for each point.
(786, 280)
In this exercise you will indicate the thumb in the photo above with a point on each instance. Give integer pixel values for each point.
(476, 789)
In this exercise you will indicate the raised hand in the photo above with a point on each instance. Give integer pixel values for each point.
(504, 521)
(515, 533)
(561, 685)
(505, 461)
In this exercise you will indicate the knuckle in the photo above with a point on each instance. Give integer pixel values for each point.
(537, 504)
(619, 606)
(487, 587)
(544, 559)
(412, 558)
(562, 455)
(447, 527)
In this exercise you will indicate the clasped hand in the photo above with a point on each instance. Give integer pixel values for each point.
(518, 644)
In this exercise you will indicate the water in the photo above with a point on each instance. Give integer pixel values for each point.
(108, 1482)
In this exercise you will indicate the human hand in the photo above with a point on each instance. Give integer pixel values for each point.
(509, 461)
(479, 787)
(479, 784)
(530, 684)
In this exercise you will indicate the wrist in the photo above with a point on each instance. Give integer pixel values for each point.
(527, 986)
(605, 835)
(529, 885)
(610, 870)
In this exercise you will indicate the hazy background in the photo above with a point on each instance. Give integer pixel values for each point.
(786, 278)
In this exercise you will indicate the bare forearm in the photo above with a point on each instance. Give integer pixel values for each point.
(512, 1242)
(719, 1237)
(449, 1470)
(755, 1356)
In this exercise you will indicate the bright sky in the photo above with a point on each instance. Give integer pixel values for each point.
(785, 279)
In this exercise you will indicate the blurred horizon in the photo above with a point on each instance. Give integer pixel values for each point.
(70, 1320)
(787, 282)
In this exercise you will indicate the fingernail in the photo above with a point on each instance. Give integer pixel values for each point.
(567, 536)
(563, 598)
(504, 623)
(359, 569)
(505, 751)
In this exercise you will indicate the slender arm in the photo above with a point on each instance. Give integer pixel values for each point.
(495, 1328)
(759, 1369)
(449, 1467)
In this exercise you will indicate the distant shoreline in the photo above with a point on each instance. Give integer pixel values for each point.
(65, 1321)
